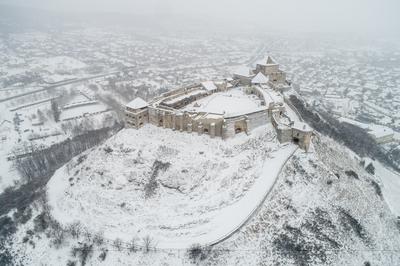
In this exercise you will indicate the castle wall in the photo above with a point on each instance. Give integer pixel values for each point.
(257, 119)
(136, 118)
(246, 81)
(267, 69)
(302, 138)
(278, 77)
(284, 134)
(256, 91)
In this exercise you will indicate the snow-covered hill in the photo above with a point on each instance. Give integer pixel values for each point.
(324, 208)
(178, 188)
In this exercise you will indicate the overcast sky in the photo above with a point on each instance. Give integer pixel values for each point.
(290, 15)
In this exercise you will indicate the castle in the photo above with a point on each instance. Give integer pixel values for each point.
(224, 108)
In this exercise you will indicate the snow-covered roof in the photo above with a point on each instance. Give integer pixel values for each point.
(209, 85)
(380, 131)
(270, 60)
(137, 103)
(243, 71)
(260, 78)
(267, 61)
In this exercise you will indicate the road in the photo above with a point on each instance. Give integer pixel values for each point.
(60, 84)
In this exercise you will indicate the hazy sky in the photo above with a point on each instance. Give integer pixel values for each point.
(291, 15)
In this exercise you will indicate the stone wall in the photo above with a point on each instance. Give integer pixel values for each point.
(136, 118)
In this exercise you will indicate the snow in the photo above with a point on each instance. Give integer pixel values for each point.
(260, 78)
(209, 85)
(301, 126)
(229, 103)
(380, 131)
(58, 64)
(391, 185)
(82, 110)
(184, 96)
(377, 131)
(137, 103)
(218, 185)
(243, 71)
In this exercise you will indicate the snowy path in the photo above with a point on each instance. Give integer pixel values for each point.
(231, 219)
(391, 186)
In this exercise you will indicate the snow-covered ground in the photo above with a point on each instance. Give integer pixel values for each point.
(234, 101)
(58, 64)
(390, 185)
(205, 188)
(315, 214)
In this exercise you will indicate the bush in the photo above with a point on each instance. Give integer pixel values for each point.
(118, 244)
(7, 227)
(57, 233)
(83, 252)
(71, 263)
(75, 229)
(198, 253)
(370, 169)
(377, 188)
(23, 215)
(41, 222)
(351, 173)
(98, 239)
(108, 149)
(132, 247)
(103, 254)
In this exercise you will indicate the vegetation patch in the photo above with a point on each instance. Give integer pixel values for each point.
(351, 173)
(352, 224)
(309, 242)
(197, 253)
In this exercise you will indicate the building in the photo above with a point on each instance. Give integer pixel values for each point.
(136, 113)
(224, 108)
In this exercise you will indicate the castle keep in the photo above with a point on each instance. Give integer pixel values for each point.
(225, 108)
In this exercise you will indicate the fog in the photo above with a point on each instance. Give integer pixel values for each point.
(339, 16)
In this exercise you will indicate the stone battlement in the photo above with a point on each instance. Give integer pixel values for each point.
(224, 108)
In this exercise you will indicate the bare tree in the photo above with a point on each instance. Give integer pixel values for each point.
(56, 111)
(147, 244)
(132, 246)
(118, 244)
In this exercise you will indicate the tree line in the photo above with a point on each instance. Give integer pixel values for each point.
(355, 138)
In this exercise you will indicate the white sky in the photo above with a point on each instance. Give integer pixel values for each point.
(290, 15)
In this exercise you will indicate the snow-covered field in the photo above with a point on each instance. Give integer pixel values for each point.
(58, 64)
(204, 188)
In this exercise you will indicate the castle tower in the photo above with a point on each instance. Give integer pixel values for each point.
(136, 113)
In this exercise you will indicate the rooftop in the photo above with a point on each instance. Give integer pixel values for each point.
(137, 103)
(260, 78)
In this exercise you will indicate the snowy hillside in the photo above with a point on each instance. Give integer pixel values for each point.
(324, 209)
(177, 188)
